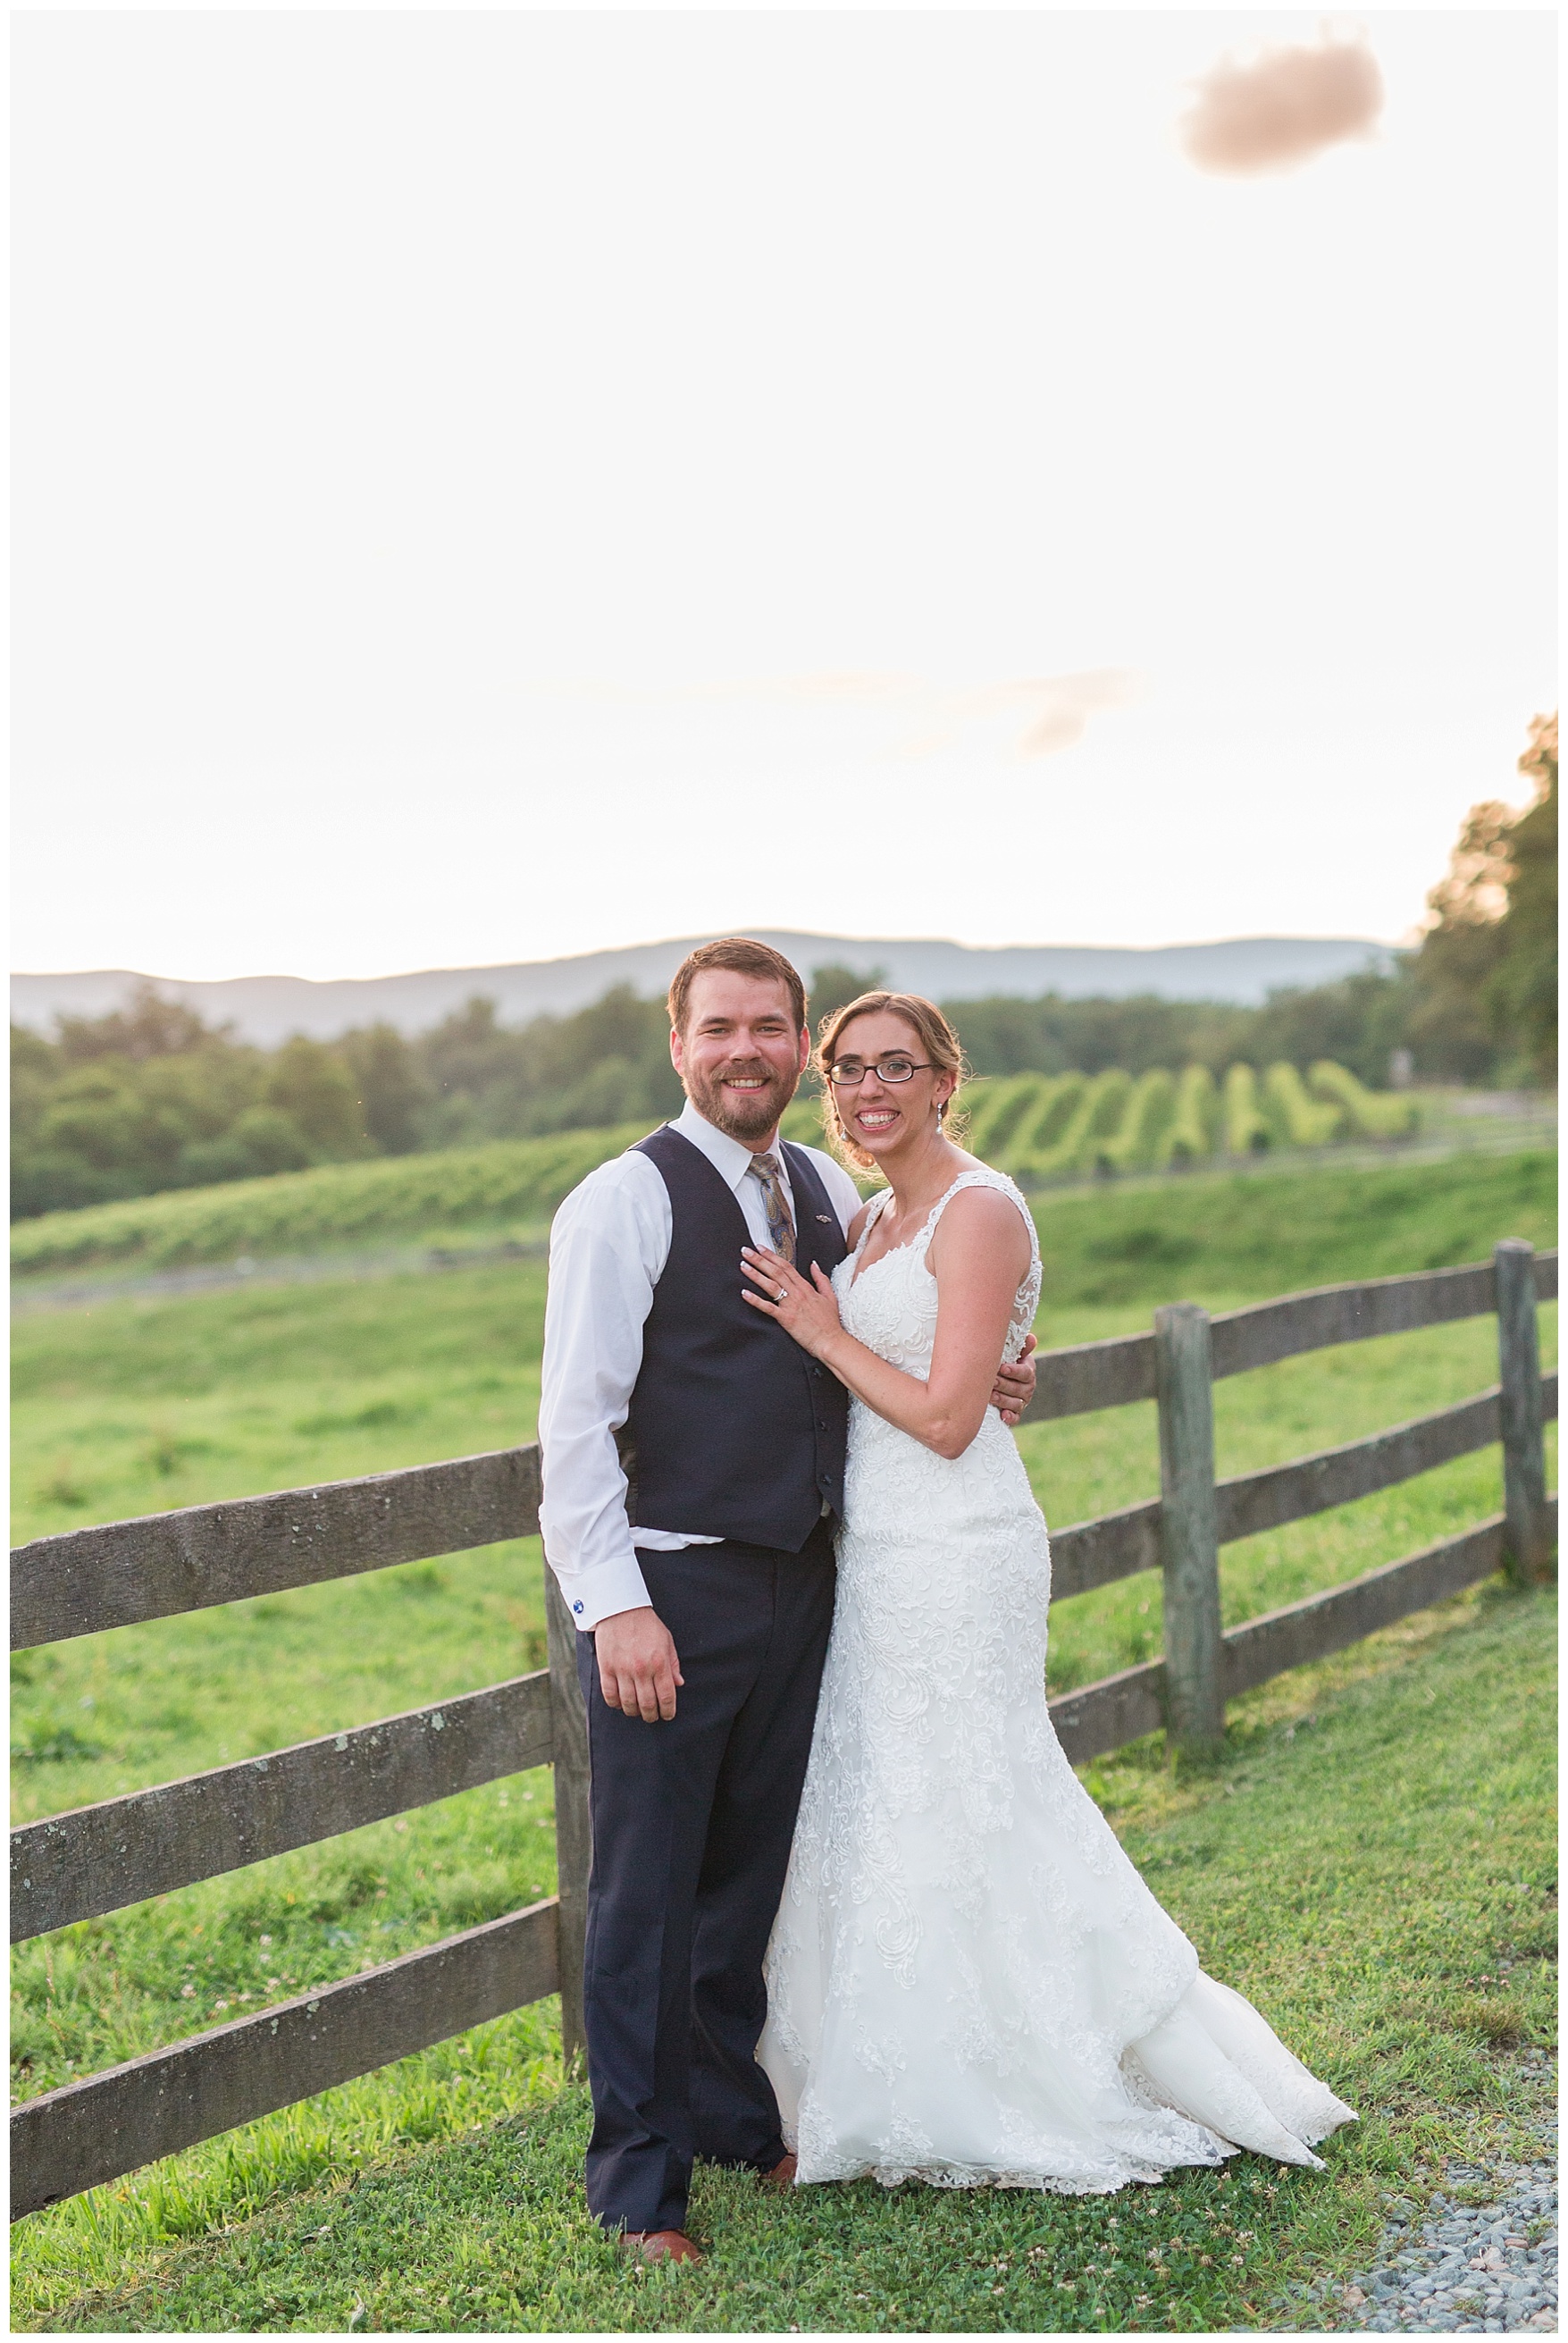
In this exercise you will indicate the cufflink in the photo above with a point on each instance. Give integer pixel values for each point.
(576, 1606)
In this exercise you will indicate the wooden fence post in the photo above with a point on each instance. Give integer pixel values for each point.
(574, 1833)
(1527, 1538)
(1189, 1529)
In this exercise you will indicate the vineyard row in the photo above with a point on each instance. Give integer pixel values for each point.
(1041, 1127)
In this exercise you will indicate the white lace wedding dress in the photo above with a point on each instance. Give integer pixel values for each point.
(968, 1982)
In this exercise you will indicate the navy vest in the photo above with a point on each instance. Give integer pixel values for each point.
(738, 1433)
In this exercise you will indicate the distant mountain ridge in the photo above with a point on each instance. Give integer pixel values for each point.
(265, 1008)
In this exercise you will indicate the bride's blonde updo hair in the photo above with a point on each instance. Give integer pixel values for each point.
(939, 1045)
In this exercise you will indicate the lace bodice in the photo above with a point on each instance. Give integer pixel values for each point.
(890, 1305)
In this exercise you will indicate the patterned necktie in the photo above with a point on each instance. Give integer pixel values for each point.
(776, 1204)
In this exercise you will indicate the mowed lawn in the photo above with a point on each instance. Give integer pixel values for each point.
(136, 1405)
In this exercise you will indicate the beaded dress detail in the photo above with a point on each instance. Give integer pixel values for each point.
(968, 1982)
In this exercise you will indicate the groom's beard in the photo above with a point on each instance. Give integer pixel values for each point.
(746, 1118)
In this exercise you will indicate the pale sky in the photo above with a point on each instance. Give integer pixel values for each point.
(497, 485)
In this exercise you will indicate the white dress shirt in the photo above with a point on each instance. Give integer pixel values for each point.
(609, 1245)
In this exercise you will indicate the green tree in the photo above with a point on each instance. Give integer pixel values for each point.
(1451, 1029)
(151, 1027)
(1357, 1022)
(390, 1085)
(1521, 992)
(834, 985)
(310, 1084)
(1484, 982)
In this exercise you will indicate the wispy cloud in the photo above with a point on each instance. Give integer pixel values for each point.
(1055, 710)
(1284, 106)
(1044, 713)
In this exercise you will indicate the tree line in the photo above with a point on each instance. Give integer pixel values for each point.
(151, 1097)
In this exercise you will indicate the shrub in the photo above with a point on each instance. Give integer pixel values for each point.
(1191, 1134)
(1149, 1110)
(998, 1111)
(1246, 1131)
(1301, 1121)
(1095, 1112)
(1042, 1124)
(1371, 1114)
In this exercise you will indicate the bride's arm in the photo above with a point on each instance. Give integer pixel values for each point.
(979, 1257)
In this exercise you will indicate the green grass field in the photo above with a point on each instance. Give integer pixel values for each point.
(131, 1407)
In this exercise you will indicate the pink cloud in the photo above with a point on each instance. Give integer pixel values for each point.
(1284, 106)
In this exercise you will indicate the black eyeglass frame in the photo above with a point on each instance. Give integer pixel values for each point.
(852, 1081)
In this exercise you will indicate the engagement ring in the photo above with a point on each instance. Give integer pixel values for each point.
(782, 1294)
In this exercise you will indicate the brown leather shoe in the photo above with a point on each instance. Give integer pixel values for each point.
(782, 2175)
(659, 2246)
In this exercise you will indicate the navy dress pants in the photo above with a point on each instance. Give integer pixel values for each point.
(692, 1822)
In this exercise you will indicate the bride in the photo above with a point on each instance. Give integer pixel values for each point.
(968, 1982)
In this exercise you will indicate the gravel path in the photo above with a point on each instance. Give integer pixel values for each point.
(1465, 2268)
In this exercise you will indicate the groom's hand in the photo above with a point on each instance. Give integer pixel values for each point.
(638, 1667)
(1015, 1384)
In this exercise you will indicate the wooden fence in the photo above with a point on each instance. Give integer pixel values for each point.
(100, 1858)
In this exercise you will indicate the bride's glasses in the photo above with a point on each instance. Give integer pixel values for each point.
(850, 1072)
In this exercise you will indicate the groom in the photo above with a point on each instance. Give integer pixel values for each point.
(704, 1627)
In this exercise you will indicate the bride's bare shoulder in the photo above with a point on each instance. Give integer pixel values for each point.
(982, 1218)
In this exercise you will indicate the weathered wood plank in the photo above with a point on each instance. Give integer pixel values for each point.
(1090, 1375)
(1307, 1631)
(1529, 1537)
(1189, 1528)
(1087, 1555)
(98, 1858)
(1337, 1476)
(574, 1825)
(1328, 1315)
(92, 2131)
(1106, 1716)
(1100, 1717)
(123, 1571)
(1113, 1545)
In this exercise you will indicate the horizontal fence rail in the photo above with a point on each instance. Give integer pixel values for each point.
(1092, 1375)
(97, 1859)
(1328, 1623)
(125, 1573)
(1100, 1717)
(1338, 1477)
(92, 2131)
(1118, 1546)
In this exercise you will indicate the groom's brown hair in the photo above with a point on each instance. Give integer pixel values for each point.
(743, 957)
